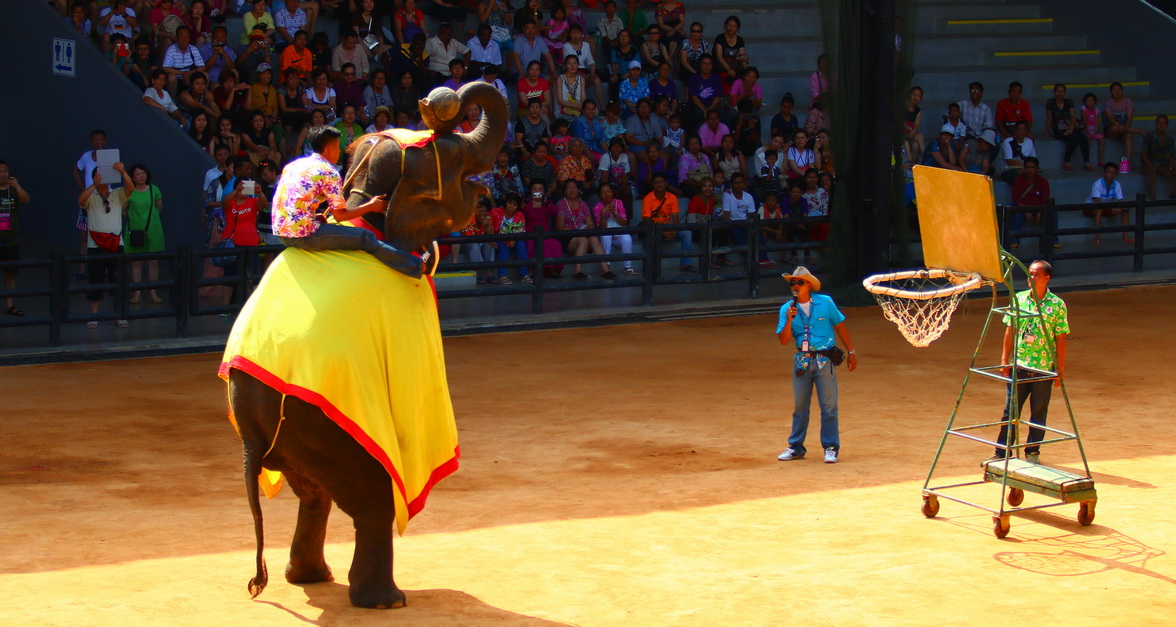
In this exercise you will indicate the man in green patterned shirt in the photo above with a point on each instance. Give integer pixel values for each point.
(1035, 349)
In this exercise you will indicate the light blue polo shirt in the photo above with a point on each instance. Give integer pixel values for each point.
(824, 316)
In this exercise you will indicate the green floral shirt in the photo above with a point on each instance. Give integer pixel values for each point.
(1035, 348)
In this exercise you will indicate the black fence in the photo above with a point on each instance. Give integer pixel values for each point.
(1138, 228)
(181, 271)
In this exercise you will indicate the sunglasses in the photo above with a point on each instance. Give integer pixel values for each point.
(795, 282)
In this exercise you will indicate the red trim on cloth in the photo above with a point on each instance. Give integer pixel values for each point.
(314, 398)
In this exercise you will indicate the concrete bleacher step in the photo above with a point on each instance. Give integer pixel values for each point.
(939, 83)
(975, 48)
(1025, 27)
(939, 17)
(1067, 56)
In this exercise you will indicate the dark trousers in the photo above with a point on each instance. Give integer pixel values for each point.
(1038, 393)
(1077, 139)
(337, 237)
(101, 271)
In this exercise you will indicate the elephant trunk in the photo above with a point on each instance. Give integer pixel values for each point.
(484, 141)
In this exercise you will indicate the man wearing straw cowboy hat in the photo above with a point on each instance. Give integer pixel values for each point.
(814, 323)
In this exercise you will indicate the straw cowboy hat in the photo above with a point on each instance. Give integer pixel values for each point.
(803, 274)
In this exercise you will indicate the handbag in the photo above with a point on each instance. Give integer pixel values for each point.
(139, 236)
(106, 242)
(499, 33)
(224, 261)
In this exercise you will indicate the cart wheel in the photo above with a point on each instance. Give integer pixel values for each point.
(1016, 496)
(930, 506)
(1000, 526)
(1086, 513)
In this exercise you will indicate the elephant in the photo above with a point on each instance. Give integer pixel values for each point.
(280, 431)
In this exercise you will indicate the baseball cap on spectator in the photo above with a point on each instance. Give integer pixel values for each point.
(384, 109)
(264, 67)
(989, 136)
(258, 33)
(947, 128)
(634, 64)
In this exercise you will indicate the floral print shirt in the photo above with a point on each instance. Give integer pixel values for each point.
(304, 185)
(1035, 349)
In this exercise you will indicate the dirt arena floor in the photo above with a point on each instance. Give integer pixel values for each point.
(617, 476)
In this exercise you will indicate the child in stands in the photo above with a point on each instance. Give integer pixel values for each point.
(1092, 125)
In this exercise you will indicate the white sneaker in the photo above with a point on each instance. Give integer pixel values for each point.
(830, 456)
(790, 454)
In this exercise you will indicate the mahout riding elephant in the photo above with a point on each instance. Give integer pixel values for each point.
(316, 439)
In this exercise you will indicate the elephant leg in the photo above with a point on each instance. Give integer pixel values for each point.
(307, 563)
(370, 578)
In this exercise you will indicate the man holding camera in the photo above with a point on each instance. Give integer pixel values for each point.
(218, 56)
(814, 324)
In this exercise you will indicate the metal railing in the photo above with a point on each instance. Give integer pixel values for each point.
(181, 272)
(1049, 232)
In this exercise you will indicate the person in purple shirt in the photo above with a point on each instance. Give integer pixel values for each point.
(350, 92)
(218, 54)
(705, 92)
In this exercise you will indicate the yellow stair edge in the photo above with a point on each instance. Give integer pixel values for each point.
(1046, 53)
(1026, 20)
(1094, 85)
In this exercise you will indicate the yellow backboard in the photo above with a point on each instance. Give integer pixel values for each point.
(957, 220)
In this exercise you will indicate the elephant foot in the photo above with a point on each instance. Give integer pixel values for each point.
(319, 573)
(385, 599)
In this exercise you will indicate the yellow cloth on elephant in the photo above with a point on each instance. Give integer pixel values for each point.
(362, 342)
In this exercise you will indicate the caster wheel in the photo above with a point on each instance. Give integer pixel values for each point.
(1001, 526)
(1086, 513)
(1016, 496)
(930, 506)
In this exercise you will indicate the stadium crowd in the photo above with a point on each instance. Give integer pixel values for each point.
(631, 115)
(619, 114)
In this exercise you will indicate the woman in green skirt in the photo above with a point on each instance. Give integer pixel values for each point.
(143, 209)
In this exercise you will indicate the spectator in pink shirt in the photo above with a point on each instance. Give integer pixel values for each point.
(711, 133)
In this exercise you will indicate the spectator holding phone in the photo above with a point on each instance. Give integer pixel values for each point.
(12, 196)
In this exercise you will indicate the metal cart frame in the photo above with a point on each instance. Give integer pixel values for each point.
(1015, 476)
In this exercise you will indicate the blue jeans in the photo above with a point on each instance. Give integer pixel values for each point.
(1017, 222)
(336, 237)
(1038, 393)
(825, 380)
(519, 250)
(739, 237)
(686, 238)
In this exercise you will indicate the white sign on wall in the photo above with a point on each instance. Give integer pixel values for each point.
(64, 57)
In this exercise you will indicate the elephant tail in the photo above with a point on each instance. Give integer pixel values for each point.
(253, 492)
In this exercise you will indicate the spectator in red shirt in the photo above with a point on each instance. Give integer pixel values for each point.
(1030, 189)
(241, 214)
(1012, 110)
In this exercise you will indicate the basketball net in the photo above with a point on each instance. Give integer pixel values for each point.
(920, 302)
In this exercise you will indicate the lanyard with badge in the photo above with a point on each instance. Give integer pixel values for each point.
(804, 342)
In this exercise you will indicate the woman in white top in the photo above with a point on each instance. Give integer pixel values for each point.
(320, 96)
(800, 158)
(157, 96)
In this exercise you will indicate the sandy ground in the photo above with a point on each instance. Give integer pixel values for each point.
(620, 475)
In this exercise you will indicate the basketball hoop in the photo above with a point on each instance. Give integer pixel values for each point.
(921, 302)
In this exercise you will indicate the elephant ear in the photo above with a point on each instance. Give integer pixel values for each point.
(441, 110)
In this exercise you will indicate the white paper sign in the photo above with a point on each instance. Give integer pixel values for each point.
(106, 160)
(64, 57)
